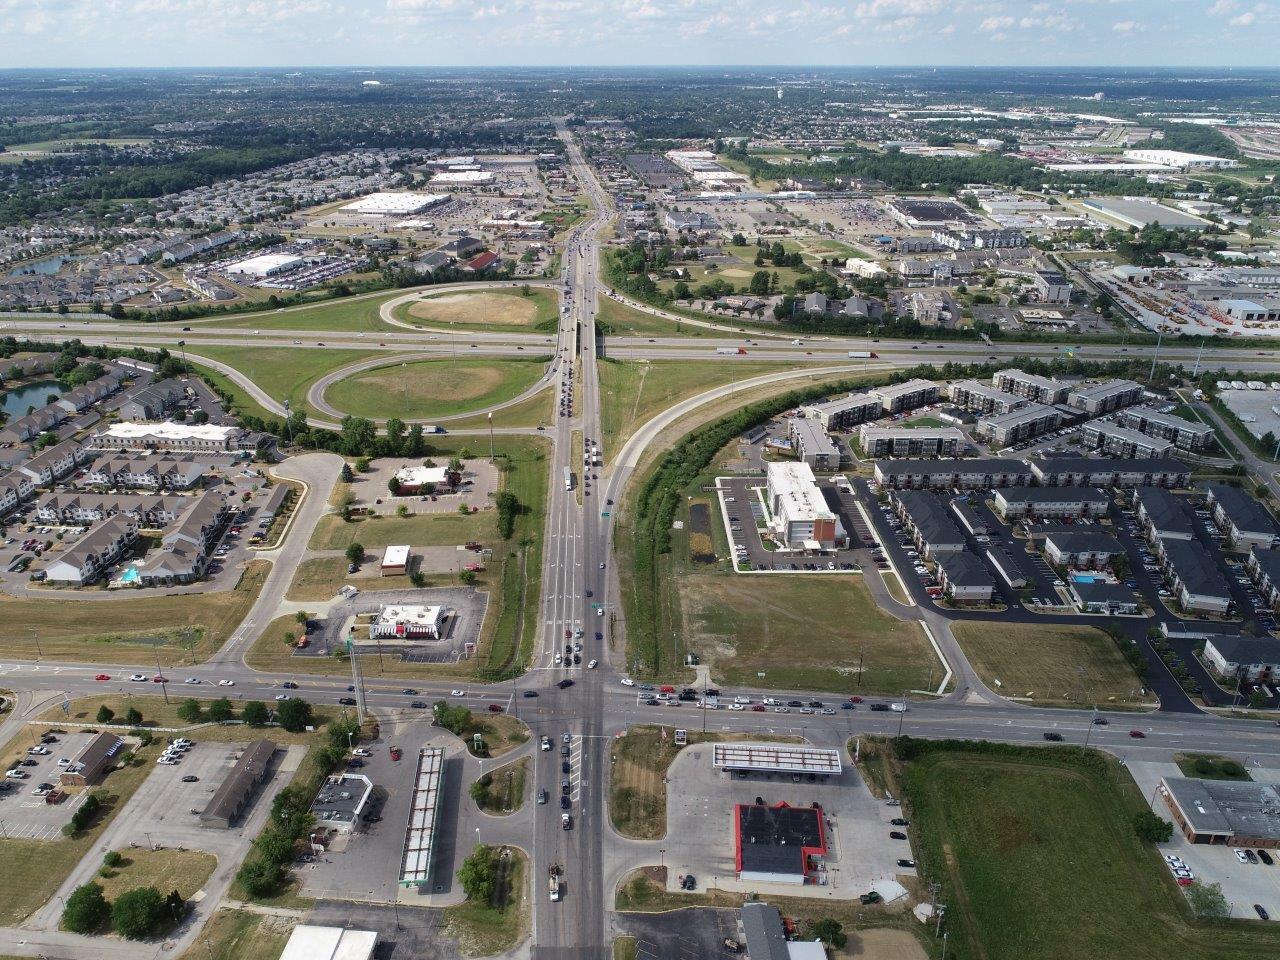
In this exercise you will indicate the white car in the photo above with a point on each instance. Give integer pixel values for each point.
(559, 659)
(38, 751)
(546, 743)
(64, 762)
(361, 752)
(193, 680)
(736, 706)
(457, 693)
(593, 664)
(138, 678)
(283, 696)
(167, 761)
(226, 683)
(1239, 856)
(627, 682)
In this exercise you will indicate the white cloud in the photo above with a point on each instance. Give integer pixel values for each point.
(992, 24)
(1126, 26)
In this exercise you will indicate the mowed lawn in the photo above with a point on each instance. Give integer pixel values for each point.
(497, 310)
(803, 632)
(348, 315)
(1039, 861)
(433, 388)
(284, 373)
(1050, 663)
(418, 530)
(183, 870)
(622, 320)
(633, 392)
(123, 629)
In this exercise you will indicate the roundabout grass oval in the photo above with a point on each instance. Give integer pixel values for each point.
(499, 310)
(423, 389)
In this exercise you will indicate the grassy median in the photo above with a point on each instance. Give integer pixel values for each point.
(422, 389)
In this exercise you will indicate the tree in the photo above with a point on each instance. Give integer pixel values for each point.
(255, 713)
(294, 715)
(133, 716)
(454, 719)
(476, 875)
(355, 553)
(1152, 828)
(112, 859)
(393, 486)
(467, 577)
(830, 932)
(347, 475)
(87, 910)
(1207, 901)
(302, 618)
(362, 463)
(138, 913)
(220, 710)
(260, 878)
(105, 714)
(479, 790)
(190, 710)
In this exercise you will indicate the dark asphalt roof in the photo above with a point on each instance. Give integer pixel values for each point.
(773, 839)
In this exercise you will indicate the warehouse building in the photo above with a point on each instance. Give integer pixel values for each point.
(1117, 441)
(1027, 422)
(1185, 434)
(910, 442)
(1180, 160)
(779, 844)
(812, 445)
(982, 398)
(1139, 212)
(1243, 520)
(1095, 399)
(1040, 503)
(978, 474)
(395, 204)
(1044, 390)
(1224, 812)
(800, 516)
(236, 792)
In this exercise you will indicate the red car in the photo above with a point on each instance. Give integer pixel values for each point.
(103, 676)
(159, 679)
(495, 708)
(1137, 734)
(757, 707)
(395, 753)
(855, 699)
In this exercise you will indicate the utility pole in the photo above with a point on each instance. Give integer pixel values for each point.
(1089, 731)
(35, 635)
(164, 681)
(357, 680)
(1154, 357)
(491, 436)
(1195, 371)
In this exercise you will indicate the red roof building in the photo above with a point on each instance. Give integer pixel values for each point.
(481, 262)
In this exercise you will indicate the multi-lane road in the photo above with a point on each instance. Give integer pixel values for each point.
(579, 594)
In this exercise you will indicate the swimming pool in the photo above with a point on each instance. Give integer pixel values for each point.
(1086, 578)
(130, 576)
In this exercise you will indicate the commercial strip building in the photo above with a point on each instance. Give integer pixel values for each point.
(978, 474)
(94, 759)
(1197, 582)
(982, 398)
(1081, 550)
(408, 622)
(800, 517)
(1030, 386)
(1109, 472)
(910, 442)
(1096, 399)
(812, 445)
(1224, 812)
(1038, 503)
(424, 815)
(1184, 434)
(775, 758)
(1117, 441)
(779, 844)
(1243, 520)
(236, 792)
(1017, 425)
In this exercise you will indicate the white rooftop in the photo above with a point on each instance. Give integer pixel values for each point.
(169, 430)
(396, 555)
(329, 943)
(420, 475)
(462, 176)
(395, 203)
(411, 614)
(265, 263)
(795, 486)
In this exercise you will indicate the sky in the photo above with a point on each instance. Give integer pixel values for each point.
(266, 33)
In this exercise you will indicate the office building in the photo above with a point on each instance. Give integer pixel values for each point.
(800, 516)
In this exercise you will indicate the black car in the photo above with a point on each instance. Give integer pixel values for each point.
(409, 692)
(564, 803)
(565, 683)
(1053, 737)
(900, 822)
(795, 703)
(565, 787)
(419, 704)
(897, 835)
(906, 863)
(816, 704)
(1100, 721)
(1265, 857)
(565, 766)
(190, 778)
(577, 658)
(527, 694)
(347, 701)
(355, 763)
(879, 707)
(371, 818)
(289, 685)
(1261, 911)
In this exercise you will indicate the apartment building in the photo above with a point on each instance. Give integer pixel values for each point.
(86, 560)
(983, 398)
(15, 489)
(900, 397)
(845, 412)
(1197, 582)
(55, 462)
(1184, 434)
(977, 474)
(1050, 503)
(1109, 472)
(1243, 520)
(927, 519)
(154, 472)
(1081, 550)
(964, 578)
(1117, 441)
(812, 445)
(1097, 399)
(1162, 515)
(1024, 423)
(910, 442)
(1030, 386)
(1264, 570)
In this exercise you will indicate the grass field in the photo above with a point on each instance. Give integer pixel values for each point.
(348, 315)
(1039, 861)
(284, 373)
(1050, 663)
(240, 935)
(633, 392)
(322, 577)
(183, 870)
(1206, 766)
(483, 929)
(530, 412)
(804, 632)
(128, 630)
(418, 529)
(638, 765)
(622, 320)
(34, 869)
(496, 310)
(433, 388)
(504, 789)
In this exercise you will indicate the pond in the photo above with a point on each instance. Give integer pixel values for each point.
(16, 401)
(48, 266)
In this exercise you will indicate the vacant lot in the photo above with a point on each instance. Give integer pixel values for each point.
(483, 929)
(322, 577)
(283, 372)
(433, 388)
(1039, 861)
(622, 320)
(183, 870)
(638, 766)
(490, 309)
(348, 315)
(804, 633)
(127, 630)
(635, 392)
(419, 530)
(240, 935)
(1050, 663)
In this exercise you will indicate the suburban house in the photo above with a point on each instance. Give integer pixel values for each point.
(1245, 522)
(86, 559)
(1081, 550)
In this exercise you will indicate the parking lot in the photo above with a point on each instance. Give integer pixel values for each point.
(700, 827)
(24, 815)
(742, 514)
(478, 486)
(466, 611)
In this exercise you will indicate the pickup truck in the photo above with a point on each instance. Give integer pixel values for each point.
(553, 882)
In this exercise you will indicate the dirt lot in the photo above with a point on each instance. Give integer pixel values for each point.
(477, 308)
